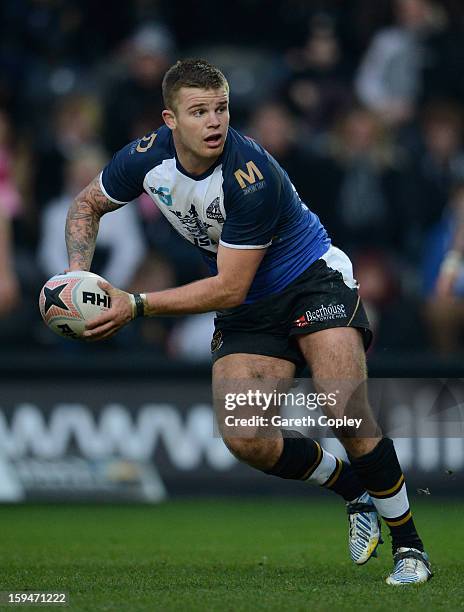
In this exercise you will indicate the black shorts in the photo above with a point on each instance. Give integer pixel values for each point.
(317, 299)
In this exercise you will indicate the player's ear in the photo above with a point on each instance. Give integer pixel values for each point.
(169, 118)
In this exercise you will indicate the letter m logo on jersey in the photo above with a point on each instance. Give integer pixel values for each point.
(252, 173)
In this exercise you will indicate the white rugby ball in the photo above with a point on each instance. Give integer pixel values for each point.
(68, 301)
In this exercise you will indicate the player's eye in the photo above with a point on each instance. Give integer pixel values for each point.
(199, 112)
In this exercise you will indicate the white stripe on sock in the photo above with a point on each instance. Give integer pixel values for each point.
(393, 506)
(324, 470)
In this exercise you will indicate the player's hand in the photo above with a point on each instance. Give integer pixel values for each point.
(111, 321)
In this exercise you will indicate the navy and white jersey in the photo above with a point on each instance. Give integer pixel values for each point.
(244, 201)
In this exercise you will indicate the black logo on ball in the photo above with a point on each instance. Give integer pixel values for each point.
(52, 297)
(97, 299)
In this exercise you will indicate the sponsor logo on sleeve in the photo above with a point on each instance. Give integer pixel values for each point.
(250, 180)
(163, 195)
(146, 143)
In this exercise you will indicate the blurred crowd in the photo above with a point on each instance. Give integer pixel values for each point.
(361, 102)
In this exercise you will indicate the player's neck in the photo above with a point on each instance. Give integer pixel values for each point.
(191, 163)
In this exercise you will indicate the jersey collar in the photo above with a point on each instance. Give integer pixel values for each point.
(199, 177)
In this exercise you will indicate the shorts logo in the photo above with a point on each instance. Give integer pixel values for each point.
(321, 314)
(301, 321)
(214, 212)
(217, 341)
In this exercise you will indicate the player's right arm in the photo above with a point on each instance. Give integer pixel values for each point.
(82, 224)
(120, 182)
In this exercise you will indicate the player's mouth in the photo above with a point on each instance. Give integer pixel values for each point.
(214, 141)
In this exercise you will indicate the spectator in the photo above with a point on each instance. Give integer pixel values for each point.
(278, 131)
(133, 101)
(443, 277)
(9, 285)
(358, 185)
(190, 339)
(154, 273)
(319, 86)
(10, 208)
(116, 265)
(389, 79)
(378, 280)
(10, 198)
(442, 161)
(437, 163)
(75, 123)
(381, 202)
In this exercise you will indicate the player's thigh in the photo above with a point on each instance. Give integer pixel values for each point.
(251, 367)
(337, 361)
(244, 388)
(334, 353)
(246, 384)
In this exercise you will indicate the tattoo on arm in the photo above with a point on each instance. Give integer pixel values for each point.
(82, 224)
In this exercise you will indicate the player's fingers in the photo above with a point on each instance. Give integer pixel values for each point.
(103, 335)
(99, 332)
(101, 320)
(105, 285)
(108, 334)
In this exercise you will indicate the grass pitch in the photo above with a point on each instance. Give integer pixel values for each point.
(220, 555)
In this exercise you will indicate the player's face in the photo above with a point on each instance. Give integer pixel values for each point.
(199, 123)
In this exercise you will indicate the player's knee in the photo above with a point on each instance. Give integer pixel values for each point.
(250, 450)
(356, 447)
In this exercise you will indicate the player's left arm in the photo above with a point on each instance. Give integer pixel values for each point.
(120, 182)
(236, 270)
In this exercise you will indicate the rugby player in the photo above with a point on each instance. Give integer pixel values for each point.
(284, 296)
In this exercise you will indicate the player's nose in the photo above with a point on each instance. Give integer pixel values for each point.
(213, 119)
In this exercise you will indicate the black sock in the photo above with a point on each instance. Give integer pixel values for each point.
(299, 456)
(345, 481)
(381, 474)
(304, 459)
